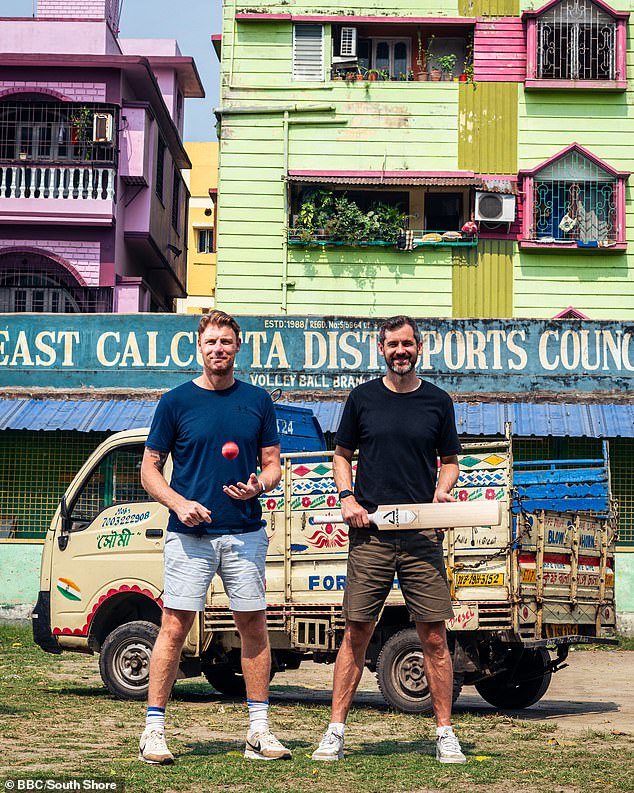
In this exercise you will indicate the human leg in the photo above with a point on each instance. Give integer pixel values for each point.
(189, 566)
(242, 572)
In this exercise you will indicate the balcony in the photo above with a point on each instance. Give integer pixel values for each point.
(75, 194)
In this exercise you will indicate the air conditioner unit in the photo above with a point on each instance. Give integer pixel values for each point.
(495, 207)
(102, 128)
(348, 46)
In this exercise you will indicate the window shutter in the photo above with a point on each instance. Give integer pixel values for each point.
(308, 52)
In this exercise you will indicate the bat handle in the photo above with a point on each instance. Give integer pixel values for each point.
(322, 520)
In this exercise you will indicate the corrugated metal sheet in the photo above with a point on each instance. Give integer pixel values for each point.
(391, 181)
(540, 419)
(487, 127)
(494, 8)
(109, 415)
(472, 418)
(482, 280)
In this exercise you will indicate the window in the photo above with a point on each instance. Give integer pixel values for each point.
(443, 211)
(34, 131)
(176, 195)
(308, 52)
(576, 40)
(160, 167)
(575, 200)
(391, 56)
(205, 241)
(115, 480)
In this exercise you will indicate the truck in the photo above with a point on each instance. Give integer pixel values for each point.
(523, 592)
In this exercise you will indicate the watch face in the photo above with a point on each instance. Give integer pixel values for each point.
(345, 494)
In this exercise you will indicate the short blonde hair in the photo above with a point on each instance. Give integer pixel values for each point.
(218, 319)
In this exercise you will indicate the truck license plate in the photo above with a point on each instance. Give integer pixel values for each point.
(550, 631)
(479, 579)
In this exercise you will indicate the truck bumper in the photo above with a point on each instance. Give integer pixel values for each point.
(557, 641)
(41, 622)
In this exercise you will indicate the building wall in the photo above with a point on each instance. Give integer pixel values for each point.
(490, 127)
(201, 267)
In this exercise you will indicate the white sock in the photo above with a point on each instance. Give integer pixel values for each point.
(337, 727)
(446, 730)
(258, 715)
(155, 717)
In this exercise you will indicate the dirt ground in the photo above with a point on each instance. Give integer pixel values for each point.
(595, 692)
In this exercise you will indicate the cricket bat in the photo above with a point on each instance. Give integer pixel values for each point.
(429, 516)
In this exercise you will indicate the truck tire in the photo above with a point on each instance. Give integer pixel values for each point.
(401, 675)
(124, 659)
(528, 685)
(226, 680)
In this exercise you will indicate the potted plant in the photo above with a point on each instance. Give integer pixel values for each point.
(446, 63)
(373, 74)
(423, 57)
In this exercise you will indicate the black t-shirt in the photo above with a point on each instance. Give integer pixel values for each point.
(399, 437)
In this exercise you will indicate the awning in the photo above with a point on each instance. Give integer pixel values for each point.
(595, 420)
(488, 183)
(85, 415)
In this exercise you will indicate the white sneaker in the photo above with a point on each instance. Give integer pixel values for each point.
(152, 747)
(330, 747)
(265, 746)
(448, 748)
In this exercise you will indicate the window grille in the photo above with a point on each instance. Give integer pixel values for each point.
(36, 468)
(576, 40)
(36, 131)
(205, 241)
(308, 52)
(160, 167)
(38, 285)
(574, 199)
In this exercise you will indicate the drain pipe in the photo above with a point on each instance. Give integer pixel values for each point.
(286, 122)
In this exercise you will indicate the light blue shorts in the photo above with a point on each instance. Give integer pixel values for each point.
(191, 561)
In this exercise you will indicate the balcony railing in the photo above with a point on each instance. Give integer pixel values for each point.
(76, 182)
(406, 241)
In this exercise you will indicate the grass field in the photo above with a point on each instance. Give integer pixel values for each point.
(57, 721)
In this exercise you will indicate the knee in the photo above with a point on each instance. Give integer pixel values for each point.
(434, 641)
(175, 628)
(359, 633)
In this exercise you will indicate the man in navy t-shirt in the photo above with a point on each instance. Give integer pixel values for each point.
(215, 524)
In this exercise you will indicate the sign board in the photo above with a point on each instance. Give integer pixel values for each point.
(308, 353)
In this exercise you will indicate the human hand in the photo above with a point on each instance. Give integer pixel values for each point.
(354, 514)
(191, 513)
(243, 492)
(440, 497)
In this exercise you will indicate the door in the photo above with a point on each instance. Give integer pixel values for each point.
(110, 542)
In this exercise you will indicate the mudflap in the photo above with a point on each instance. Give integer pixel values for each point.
(41, 623)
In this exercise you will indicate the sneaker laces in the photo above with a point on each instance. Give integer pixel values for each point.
(450, 742)
(330, 738)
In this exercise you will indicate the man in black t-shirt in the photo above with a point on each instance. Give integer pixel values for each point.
(400, 425)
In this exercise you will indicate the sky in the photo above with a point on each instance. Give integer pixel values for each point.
(191, 23)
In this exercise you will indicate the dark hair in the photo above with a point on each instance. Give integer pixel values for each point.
(394, 323)
(218, 319)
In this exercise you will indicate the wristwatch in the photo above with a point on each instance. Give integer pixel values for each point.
(344, 494)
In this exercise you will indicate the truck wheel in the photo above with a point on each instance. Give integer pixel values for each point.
(528, 685)
(401, 675)
(124, 659)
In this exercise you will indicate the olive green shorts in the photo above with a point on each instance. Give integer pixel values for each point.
(415, 557)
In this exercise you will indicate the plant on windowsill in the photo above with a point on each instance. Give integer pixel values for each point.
(446, 63)
(468, 61)
(81, 131)
(423, 58)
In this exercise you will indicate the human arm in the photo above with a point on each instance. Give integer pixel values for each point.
(270, 475)
(447, 478)
(191, 513)
(351, 511)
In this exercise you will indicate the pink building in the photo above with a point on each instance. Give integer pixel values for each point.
(92, 205)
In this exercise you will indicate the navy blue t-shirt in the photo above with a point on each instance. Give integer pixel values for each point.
(193, 424)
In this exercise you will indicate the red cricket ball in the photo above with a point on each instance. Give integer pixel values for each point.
(230, 450)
